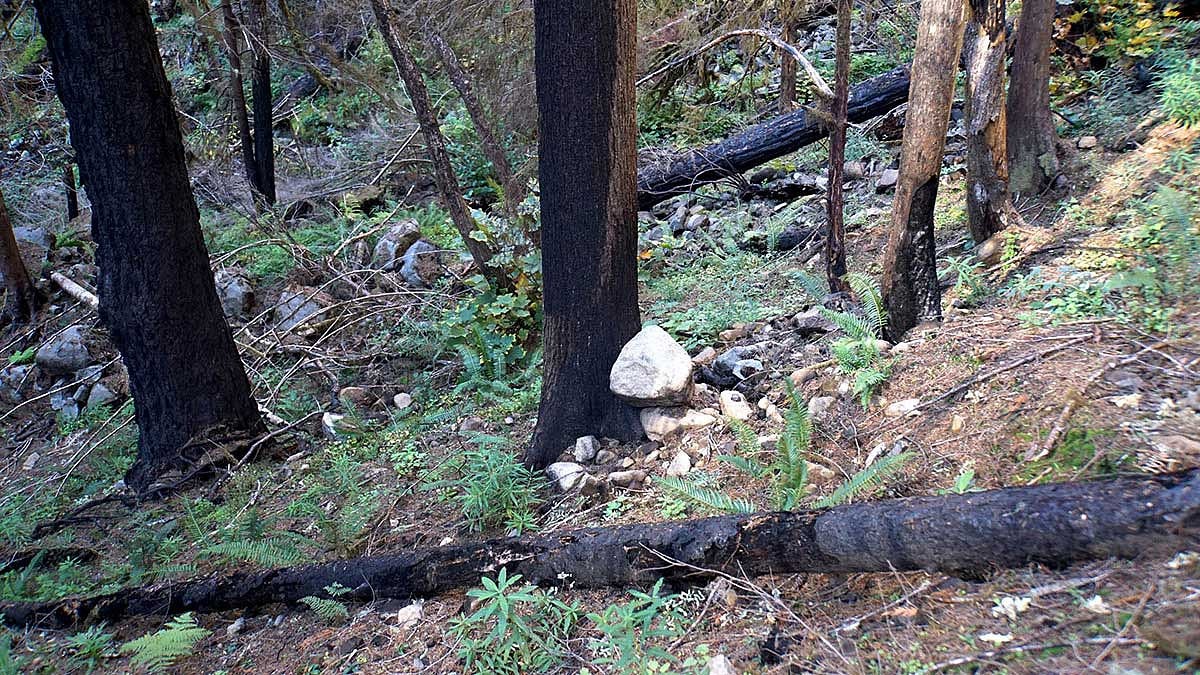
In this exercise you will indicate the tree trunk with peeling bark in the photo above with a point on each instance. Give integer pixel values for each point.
(970, 534)
(910, 284)
(1032, 157)
(988, 203)
(835, 241)
(22, 297)
(435, 145)
(587, 163)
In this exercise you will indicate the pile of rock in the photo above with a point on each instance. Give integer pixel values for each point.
(67, 365)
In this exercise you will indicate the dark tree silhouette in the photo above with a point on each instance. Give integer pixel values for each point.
(588, 173)
(1032, 160)
(22, 298)
(835, 242)
(910, 284)
(260, 87)
(156, 290)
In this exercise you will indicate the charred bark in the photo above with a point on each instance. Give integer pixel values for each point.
(910, 285)
(1032, 158)
(237, 92)
(835, 243)
(766, 141)
(971, 534)
(157, 295)
(71, 190)
(988, 203)
(22, 297)
(260, 88)
(435, 145)
(587, 164)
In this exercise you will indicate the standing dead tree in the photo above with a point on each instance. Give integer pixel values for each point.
(835, 242)
(23, 297)
(257, 145)
(970, 534)
(1032, 156)
(910, 285)
(988, 203)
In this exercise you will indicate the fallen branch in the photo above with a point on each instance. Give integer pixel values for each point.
(1054, 524)
(763, 142)
(76, 291)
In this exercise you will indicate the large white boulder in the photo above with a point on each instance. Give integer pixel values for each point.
(652, 370)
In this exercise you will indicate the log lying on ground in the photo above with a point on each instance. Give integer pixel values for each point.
(1052, 525)
(766, 141)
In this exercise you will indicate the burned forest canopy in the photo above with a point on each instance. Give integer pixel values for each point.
(599, 335)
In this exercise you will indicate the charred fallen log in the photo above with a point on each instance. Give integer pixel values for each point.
(1052, 525)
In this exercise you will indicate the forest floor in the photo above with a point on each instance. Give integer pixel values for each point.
(1071, 376)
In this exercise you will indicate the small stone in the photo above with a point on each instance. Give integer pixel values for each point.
(737, 332)
(235, 627)
(705, 357)
(235, 292)
(660, 423)
(66, 352)
(586, 448)
(746, 368)
(402, 400)
(697, 222)
(627, 462)
(883, 346)
(820, 471)
(389, 251)
(902, 408)
(652, 370)
(12, 381)
(471, 424)
(1086, 142)
(409, 616)
(330, 425)
(957, 423)
(30, 462)
(356, 398)
(422, 264)
(653, 456)
(606, 457)
(565, 475)
(887, 180)
(819, 406)
(805, 374)
(278, 621)
(773, 414)
(300, 305)
(720, 665)
(735, 406)
(100, 395)
(680, 465)
(627, 478)
(812, 321)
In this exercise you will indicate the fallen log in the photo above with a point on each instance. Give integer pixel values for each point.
(763, 142)
(1053, 525)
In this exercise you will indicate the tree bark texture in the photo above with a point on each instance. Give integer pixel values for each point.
(763, 142)
(988, 203)
(490, 143)
(587, 163)
(835, 242)
(1032, 159)
(71, 190)
(260, 86)
(970, 534)
(787, 71)
(22, 297)
(910, 284)
(435, 145)
(237, 93)
(156, 290)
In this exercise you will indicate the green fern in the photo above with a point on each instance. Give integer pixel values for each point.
(815, 287)
(791, 465)
(160, 650)
(854, 326)
(746, 465)
(706, 497)
(330, 610)
(869, 477)
(870, 299)
(264, 553)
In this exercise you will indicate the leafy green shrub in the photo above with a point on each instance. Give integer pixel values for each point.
(515, 628)
(493, 487)
(858, 354)
(90, 648)
(1120, 28)
(160, 650)
(632, 631)
(1179, 91)
(969, 285)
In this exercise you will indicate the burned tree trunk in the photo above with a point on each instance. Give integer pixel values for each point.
(988, 203)
(587, 163)
(766, 141)
(260, 87)
(435, 145)
(493, 149)
(787, 71)
(910, 284)
(237, 93)
(972, 534)
(1032, 159)
(156, 290)
(71, 190)
(835, 242)
(22, 298)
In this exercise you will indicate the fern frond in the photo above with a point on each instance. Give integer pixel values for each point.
(160, 650)
(265, 553)
(854, 326)
(870, 299)
(815, 287)
(747, 439)
(867, 380)
(707, 497)
(746, 465)
(869, 477)
(330, 611)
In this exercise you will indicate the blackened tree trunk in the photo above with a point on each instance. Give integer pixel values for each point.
(787, 72)
(493, 149)
(435, 145)
(71, 190)
(22, 297)
(260, 86)
(237, 93)
(910, 284)
(587, 164)
(988, 203)
(156, 290)
(1032, 160)
(835, 241)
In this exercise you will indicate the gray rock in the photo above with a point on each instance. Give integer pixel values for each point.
(100, 395)
(12, 381)
(819, 406)
(566, 475)
(38, 236)
(297, 304)
(390, 249)
(677, 223)
(402, 400)
(812, 321)
(235, 292)
(735, 406)
(697, 222)
(91, 374)
(627, 478)
(586, 448)
(720, 665)
(680, 465)
(606, 457)
(422, 264)
(746, 367)
(887, 180)
(63, 401)
(660, 423)
(236, 627)
(1086, 142)
(66, 352)
(725, 363)
(652, 370)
